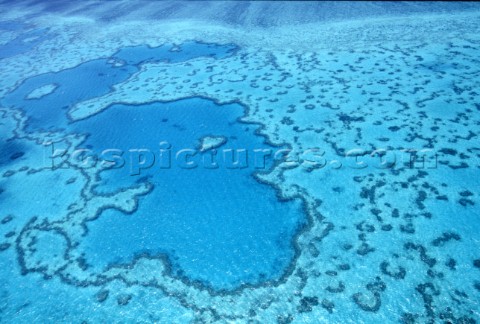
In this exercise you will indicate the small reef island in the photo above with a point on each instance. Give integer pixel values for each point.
(42, 91)
(211, 142)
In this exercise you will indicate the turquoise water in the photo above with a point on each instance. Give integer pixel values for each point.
(246, 162)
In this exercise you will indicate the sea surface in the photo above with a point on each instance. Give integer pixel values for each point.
(244, 162)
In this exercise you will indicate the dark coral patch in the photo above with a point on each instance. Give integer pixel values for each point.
(307, 304)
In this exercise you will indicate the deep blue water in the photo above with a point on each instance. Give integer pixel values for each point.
(23, 43)
(75, 84)
(12, 25)
(49, 112)
(206, 220)
(260, 13)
